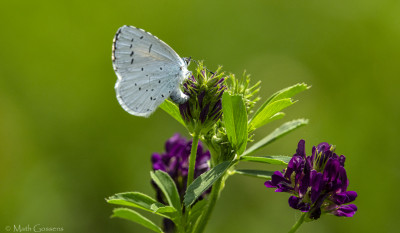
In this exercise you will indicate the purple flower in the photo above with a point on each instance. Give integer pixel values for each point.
(175, 161)
(204, 106)
(318, 183)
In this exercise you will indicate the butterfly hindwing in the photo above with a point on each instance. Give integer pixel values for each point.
(148, 70)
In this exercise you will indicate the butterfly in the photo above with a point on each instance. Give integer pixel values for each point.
(148, 70)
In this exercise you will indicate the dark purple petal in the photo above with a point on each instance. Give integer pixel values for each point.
(294, 202)
(342, 159)
(269, 184)
(221, 80)
(297, 203)
(343, 182)
(301, 149)
(217, 108)
(343, 198)
(159, 166)
(331, 170)
(323, 147)
(313, 154)
(304, 184)
(280, 182)
(204, 113)
(200, 98)
(184, 109)
(155, 157)
(316, 185)
(345, 210)
(173, 142)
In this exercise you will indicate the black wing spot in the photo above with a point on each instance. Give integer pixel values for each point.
(152, 89)
(160, 68)
(154, 98)
(159, 81)
(142, 69)
(147, 90)
(151, 98)
(132, 40)
(141, 37)
(162, 96)
(150, 47)
(148, 110)
(132, 53)
(140, 88)
(132, 61)
(130, 46)
(135, 84)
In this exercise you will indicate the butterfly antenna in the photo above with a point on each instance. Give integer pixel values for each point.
(204, 67)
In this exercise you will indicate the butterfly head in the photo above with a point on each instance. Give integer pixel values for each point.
(187, 60)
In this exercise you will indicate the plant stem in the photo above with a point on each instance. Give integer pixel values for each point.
(298, 223)
(192, 157)
(210, 207)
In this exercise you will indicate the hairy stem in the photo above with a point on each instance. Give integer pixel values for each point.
(298, 223)
(192, 158)
(210, 207)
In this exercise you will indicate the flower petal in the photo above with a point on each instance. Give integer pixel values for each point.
(301, 147)
(297, 203)
(345, 210)
(345, 197)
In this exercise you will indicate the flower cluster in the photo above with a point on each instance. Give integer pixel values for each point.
(203, 109)
(318, 182)
(175, 161)
(241, 86)
(217, 140)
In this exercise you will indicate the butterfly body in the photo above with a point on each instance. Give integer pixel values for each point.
(148, 71)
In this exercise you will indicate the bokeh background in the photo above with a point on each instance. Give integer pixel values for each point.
(66, 144)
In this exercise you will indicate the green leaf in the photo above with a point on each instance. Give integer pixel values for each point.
(277, 116)
(274, 159)
(265, 114)
(166, 211)
(134, 216)
(235, 119)
(256, 173)
(290, 91)
(167, 186)
(173, 110)
(144, 202)
(283, 94)
(194, 214)
(277, 133)
(134, 199)
(204, 182)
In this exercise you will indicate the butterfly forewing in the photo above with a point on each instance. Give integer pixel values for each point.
(148, 70)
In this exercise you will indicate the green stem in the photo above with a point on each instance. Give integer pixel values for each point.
(298, 223)
(210, 207)
(192, 158)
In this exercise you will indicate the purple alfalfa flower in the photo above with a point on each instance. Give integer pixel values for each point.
(318, 183)
(203, 109)
(175, 162)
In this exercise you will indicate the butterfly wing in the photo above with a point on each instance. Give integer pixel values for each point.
(148, 70)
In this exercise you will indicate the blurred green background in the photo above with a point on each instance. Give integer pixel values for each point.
(66, 144)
